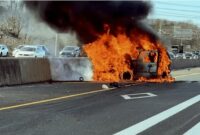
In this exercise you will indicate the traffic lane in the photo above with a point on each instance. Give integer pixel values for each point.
(100, 113)
(33, 92)
(177, 124)
(191, 77)
(168, 95)
(190, 74)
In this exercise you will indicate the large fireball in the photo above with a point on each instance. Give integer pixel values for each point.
(113, 55)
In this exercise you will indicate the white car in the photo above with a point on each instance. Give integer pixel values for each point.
(3, 50)
(180, 56)
(30, 51)
(189, 55)
(17, 49)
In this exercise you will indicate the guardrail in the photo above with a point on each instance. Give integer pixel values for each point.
(185, 63)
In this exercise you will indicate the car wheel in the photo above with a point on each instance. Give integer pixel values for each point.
(81, 79)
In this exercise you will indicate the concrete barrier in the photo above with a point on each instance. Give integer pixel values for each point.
(185, 63)
(71, 69)
(34, 70)
(30, 70)
(10, 73)
(21, 71)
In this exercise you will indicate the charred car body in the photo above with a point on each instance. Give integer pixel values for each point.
(146, 65)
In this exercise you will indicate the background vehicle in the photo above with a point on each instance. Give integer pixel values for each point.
(190, 55)
(70, 51)
(177, 49)
(45, 49)
(3, 50)
(195, 54)
(180, 56)
(17, 49)
(31, 51)
(171, 55)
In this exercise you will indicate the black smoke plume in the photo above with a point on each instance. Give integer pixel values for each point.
(90, 18)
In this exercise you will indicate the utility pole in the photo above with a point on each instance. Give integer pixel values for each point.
(56, 44)
(160, 28)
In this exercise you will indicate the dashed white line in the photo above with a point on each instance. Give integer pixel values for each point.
(138, 96)
(194, 130)
(143, 125)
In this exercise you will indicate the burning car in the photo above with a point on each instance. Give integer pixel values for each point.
(146, 65)
(117, 41)
(139, 59)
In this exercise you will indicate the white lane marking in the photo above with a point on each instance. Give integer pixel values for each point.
(138, 95)
(143, 125)
(187, 75)
(194, 130)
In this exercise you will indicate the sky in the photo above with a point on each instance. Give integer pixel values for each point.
(176, 10)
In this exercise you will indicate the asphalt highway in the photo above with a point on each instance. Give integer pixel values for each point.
(84, 108)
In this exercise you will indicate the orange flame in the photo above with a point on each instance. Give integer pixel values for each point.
(112, 56)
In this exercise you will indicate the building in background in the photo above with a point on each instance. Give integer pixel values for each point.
(183, 35)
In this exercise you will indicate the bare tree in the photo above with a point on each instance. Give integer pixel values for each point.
(12, 26)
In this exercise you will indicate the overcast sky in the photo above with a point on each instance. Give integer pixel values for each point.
(177, 10)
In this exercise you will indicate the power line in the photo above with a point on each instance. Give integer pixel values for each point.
(175, 4)
(180, 10)
(178, 14)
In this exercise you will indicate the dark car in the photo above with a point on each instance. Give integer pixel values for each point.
(70, 51)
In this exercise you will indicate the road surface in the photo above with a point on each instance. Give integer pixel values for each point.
(84, 108)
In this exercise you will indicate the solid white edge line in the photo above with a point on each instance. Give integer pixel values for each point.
(143, 125)
(194, 130)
